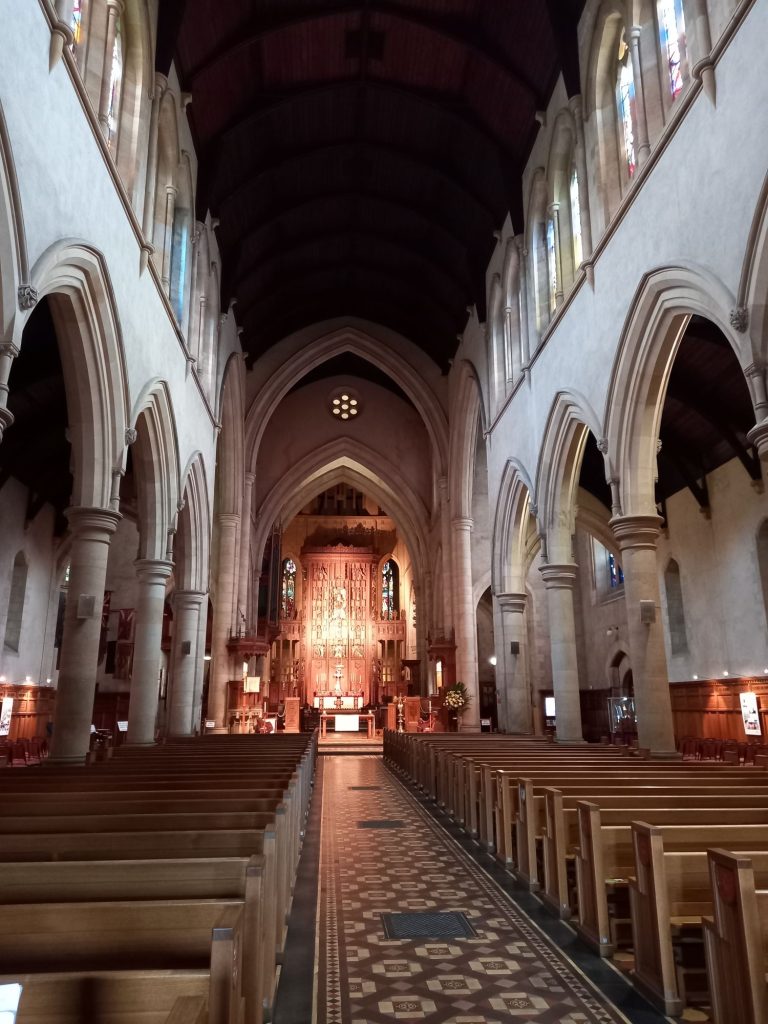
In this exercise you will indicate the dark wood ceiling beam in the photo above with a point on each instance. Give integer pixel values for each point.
(280, 161)
(718, 422)
(278, 211)
(564, 21)
(448, 104)
(413, 290)
(463, 32)
(696, 485)
(284, 250)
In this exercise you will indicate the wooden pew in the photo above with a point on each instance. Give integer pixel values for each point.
(572, 831)
(179, 937)
(669, 897)
(162, 880)
(736, 941)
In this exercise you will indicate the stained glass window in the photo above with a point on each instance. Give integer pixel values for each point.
(288, 593)
(115, 82)
(390, 590)
(615, 572)
(626, 104)
(77, 23)
(551, 263)
(672, 32)
(576, 218)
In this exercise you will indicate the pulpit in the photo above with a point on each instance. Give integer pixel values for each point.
(292, 708)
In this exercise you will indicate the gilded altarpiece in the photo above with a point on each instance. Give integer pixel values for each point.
(340, 647)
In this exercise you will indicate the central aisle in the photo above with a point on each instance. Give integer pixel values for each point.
(382, 854)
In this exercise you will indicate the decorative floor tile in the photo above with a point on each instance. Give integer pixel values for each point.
(412, 929)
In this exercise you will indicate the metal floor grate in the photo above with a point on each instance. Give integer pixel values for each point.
(427, 925)
(381, 823)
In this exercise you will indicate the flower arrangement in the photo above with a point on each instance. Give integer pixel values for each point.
(456, 697)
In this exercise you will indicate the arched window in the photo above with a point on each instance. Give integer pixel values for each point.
(673, 48)
(678, 640)
(615, 572)
(575, 198)
(551, 264)
(390, 590)
(16, 602)
(288, 591)
(115, 85)
(77, 26)
(625, 101)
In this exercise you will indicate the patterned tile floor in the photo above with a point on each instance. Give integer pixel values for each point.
(381, 852)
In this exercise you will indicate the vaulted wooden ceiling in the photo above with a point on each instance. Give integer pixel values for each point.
(360, 155)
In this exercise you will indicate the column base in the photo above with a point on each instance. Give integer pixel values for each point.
(666, 755)
(578, 741)
(136, 744)
(70, 762)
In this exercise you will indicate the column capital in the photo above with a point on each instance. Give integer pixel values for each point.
(636, 532)
(250, 479)
(758, 437)
(116, 5)
(92, 520)
(576, 103)
(462, 523)
(188, 599)
(171, 190)
(228, 519)
(8, 349)
(513, 602)
(559, 576)
(153, 570)
(635, 32)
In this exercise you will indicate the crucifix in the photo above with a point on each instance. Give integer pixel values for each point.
(337, 675)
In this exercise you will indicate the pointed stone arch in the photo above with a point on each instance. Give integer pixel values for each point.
(193, 534)
(467, 417)
(350, 461)
(14, 266)
(156, 468)
(557, 477)
(509, 547)
(661, 309)
(402, 361)
(75, 278)
(752, 298)
(230, 455)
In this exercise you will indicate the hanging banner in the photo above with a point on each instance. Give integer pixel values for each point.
(750, 714)
(5, 716)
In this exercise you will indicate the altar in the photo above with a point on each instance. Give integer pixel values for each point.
(338, 701)
(346, 722)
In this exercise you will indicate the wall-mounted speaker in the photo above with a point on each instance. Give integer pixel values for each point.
(186, 646)
(514, 646)
(647, 612)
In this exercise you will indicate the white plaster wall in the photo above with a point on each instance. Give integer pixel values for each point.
(598, 612)
(34, 657)
(725, 616)
(386, 424)
(693, 209)
(67, 193)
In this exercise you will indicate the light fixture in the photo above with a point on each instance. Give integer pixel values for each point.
(725, 672)
(344, 404)
(48, 680)
(492, 660)
(2, 679)
(206, 657)
(27, 679)
(694, 676)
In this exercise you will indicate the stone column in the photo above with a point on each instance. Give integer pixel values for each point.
(197, 699)
(170, 211)
(114, 10)
(186, 620)
(560, 581)
(637, 537)
(577, 109)
(91, 530)
(512, 662)
(445, 540)
(245, 553)
(223, 607)
(8, 352)
(643, 145)
(152, 575)
(147, 223)
(465, 620)
(525, 337)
